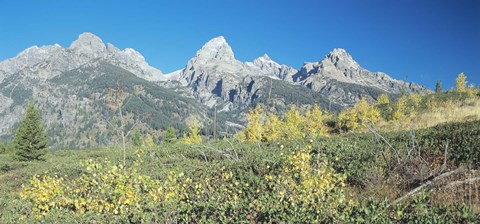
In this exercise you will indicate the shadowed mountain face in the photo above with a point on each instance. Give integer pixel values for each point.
(71, 85)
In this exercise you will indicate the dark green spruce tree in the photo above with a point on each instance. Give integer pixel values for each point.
(30, 141)
(438, 87)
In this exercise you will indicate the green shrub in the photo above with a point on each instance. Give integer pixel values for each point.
(463, 141)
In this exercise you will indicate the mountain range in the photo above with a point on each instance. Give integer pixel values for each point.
(73, 89)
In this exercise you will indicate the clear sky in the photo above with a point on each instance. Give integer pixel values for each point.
(414, 40)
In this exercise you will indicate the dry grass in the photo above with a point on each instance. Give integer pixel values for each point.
(457, 189)
(467, 110)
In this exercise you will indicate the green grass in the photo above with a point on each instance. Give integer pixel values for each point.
(373, 179)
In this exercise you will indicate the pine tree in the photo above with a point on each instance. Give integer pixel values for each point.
(461, 83)
(438, 87)
(30, 141)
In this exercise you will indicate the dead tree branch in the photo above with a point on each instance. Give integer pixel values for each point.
(429, 182)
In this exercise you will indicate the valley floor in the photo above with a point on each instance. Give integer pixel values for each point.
(385, 177)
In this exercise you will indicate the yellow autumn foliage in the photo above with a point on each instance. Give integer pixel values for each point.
(383, 99)
(361, 114)
(401, 107)
(294, 125)
(461, 83)
(309, 184)
(254, 130)
(315, 118)
(193, 135)
(272, 128)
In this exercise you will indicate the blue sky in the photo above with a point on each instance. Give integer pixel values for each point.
(420, 41)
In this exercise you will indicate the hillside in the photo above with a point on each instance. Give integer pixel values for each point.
(214, 89)
(354, 180)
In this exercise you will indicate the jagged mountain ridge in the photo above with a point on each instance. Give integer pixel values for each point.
(71, 82)
(70, 85)
(339, 67)
(49, 61)
(215, 76)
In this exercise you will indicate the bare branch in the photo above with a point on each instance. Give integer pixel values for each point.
(375, 132)
(459, 182)
(429, 182)
(444, 165)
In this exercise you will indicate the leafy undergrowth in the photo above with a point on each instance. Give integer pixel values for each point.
(353, 178)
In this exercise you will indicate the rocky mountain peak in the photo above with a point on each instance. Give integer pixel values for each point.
(133, 61)
(266, 57)
(339, 52)
(217, 49)
(89, 44)
(339, 57)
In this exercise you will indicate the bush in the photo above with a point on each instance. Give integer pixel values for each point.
(297, 188)
(463, 141)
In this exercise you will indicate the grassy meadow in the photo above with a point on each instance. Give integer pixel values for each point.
(420, 168)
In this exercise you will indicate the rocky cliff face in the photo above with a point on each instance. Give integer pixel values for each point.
(338, 70)
(69, 86)
(49, 61)
(266, 66)
(215, 76)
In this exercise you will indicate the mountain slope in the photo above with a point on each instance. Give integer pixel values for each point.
(71, 87)
(341, 77)
(216, 77)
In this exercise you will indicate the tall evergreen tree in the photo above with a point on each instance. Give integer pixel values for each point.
(30, 141)
(438, 87)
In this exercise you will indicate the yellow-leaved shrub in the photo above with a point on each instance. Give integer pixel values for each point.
(315, 118)
(45, 193)
(105, 188)
(308, 185)
(272, 128)
(401, 109)
(294, 125)
(254, 130)
(193, 136)
(361, 114)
